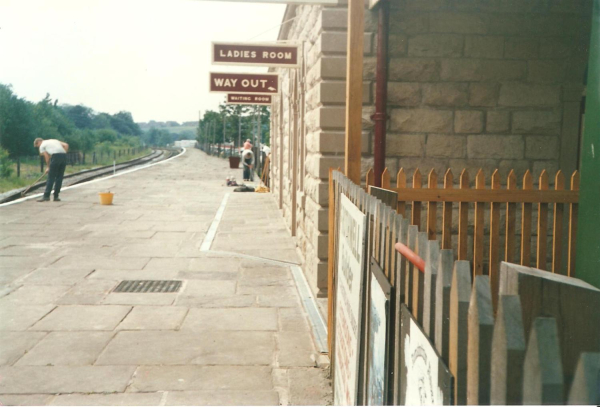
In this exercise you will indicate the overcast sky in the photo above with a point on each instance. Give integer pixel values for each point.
(149, 57)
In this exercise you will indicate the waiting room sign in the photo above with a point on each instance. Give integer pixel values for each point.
(241, 99)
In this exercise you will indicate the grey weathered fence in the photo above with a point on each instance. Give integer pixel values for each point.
(541, 345)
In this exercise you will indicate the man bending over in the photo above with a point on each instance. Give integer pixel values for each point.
(55, 154)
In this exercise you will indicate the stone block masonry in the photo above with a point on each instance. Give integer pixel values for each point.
(484, 82)
(319, 106)
(478, 83)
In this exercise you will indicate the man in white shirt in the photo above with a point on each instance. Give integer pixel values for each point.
(55, 154)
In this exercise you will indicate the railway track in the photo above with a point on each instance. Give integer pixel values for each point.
(88, 175)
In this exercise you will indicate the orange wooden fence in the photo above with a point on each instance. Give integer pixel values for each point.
(420, 197)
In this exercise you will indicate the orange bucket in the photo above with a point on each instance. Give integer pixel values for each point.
(106, 198)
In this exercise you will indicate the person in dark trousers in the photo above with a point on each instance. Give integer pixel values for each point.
(55, 155)
(248, 157)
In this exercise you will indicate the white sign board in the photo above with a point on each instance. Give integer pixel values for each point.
(350, 269)
(425, 379)
(255, 54)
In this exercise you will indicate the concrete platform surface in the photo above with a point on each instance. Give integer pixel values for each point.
(234, 334)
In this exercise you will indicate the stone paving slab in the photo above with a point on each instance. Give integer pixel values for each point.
(295, 349)
(140, 298)
(82, 318)
(195, 288)
(167, 265)
(120, 275)
(114, 399)
(306, 387)
(21, 317)
(9, 275)
(13, 345)
(279, 300)
(231, 335)
(67, 348)
(217, 301)
(45, 276)
(184, 378)
(35, 295)
(25, 400)
(208, 275)
(106, 262)
(231, 319)
(89, 292)
(222, 398)
(64, 379)
(194, 348)
(143, 318)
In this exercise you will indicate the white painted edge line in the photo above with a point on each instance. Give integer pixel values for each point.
(97, 179)
(212, 231)
(319, 327)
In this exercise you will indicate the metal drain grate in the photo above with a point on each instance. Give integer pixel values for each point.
(148, 286)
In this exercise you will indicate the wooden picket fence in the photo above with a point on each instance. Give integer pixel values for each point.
(490, 201)
(534, 344)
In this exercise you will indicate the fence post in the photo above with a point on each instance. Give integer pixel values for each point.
(42, 164)
(413, 231)
(442, 304)
(419, 279)
(432, 182)
(543, 381)
(463, 219)
(416, 206)
(401, 236)
(330, 262)
(94, 157)
(18, 167)
(401, 183)
(478, 228)
(559, 209)
(508, 352)
(429, 300)
(460, 295)
(585, 389)
(494, 258)
(526, 215)
(447, 213)
(481, 331)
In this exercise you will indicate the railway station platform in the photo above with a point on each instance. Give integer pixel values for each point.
(235, 332)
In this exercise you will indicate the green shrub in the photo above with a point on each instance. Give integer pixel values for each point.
(5, 164)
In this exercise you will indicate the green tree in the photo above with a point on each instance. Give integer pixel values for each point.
(123, 123)
(81, 116)
(17, 125)
(101, 121)
(106, 135)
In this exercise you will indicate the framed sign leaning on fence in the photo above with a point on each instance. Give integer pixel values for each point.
(378, 344)
(348, 301)
(426, 380)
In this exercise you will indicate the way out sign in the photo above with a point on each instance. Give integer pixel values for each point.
(241, 99)
(275, 55)
(264, 83)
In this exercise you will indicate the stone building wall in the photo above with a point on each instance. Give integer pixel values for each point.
(472, 84)
(486, 84)
(321, 116)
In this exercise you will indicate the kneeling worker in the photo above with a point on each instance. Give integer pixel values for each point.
(55, 154)
(248, 161)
